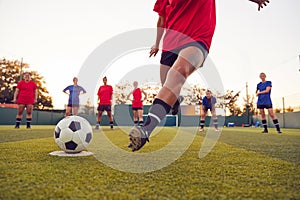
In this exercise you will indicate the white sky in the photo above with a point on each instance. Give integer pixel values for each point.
(56, 36)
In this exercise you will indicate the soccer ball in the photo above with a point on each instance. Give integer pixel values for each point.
(73, 134)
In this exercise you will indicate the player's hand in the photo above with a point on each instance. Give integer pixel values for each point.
(261, 3)
(14, 100)
(154, 50)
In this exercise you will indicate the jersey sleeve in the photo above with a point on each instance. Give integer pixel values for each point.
(82, 89)
(214, 100)
(159, 7)
(67, 88)
(269, 84)
(19, 85)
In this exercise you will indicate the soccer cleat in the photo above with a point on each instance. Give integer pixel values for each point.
(265, 131)
(279, 132)
(17, 126)
(201, 129)
(217, 130)
(28, 127)
(138, 138)
(176, 107)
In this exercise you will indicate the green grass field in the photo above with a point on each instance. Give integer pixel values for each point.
(244, 164)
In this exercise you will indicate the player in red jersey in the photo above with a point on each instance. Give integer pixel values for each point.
(137, 104)
(105, 93)
(189, 27)
(25, 96)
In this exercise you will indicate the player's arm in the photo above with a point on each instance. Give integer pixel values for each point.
(16, 95)
(267, 90)
(83, 91)
(159, 34)
(128, 96)
(35, 95)
(145, 95)
(65, 91)
(260, 3)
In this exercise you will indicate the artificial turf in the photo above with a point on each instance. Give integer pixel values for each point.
(244, 164)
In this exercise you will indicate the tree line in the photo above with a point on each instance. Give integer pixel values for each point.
(11, 74)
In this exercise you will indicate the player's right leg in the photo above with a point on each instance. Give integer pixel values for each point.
(99, 116)
(275, 120)
(68, 111)
(21, 108)
(74, 110)
(263, 120)
(202, 119)
(215, 119)
(135, 119)
(188, 59)
(29, 109)
(164, 69)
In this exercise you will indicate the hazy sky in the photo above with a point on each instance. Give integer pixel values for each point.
(56, 37)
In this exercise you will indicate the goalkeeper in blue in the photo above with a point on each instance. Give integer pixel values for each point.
(263, 92)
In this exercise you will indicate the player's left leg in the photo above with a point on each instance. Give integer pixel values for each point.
(99, 116)
(29, 109)
(75, 110)
(140, 114)
(188, 59)
(274, 118)
(111, 122)
(215, 119)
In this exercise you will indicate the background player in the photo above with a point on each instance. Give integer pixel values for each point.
(137, 103)
(263, 91)
(208, 103)
(189, 27)
(25, 96)
(73, 91)
(105, 93)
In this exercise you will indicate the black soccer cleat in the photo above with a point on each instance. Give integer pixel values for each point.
(265, 131)
(138, 138)
(279, 132)
(176, 107)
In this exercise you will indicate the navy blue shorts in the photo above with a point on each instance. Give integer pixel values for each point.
(267, 106)
(169, 57)
(106, 108)
(207, 108)
(73, 105)
(139, 108)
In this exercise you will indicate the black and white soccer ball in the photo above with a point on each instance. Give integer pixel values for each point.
(73, 134)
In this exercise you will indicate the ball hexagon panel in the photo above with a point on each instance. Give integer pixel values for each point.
(75, 126)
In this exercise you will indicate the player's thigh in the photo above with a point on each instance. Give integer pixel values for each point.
(188, 60)
(164, 69)
(29, 108)
(21, 108)
(203, 113)
(140, 112)
(271, 112)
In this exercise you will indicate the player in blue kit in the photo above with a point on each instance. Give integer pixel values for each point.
(208, 103)
(74, 91)
(263, 91)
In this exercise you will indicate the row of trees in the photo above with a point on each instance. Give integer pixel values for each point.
(193, 95)
(11, 74)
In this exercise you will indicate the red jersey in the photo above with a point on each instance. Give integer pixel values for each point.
(105, 93)
(26, 92)
(187, 21)
(137, 98)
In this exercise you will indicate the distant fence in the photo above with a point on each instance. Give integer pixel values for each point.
(123, 117)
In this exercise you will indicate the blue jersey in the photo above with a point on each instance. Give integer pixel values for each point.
(209, 102)
(264, 99)
(74, 92)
